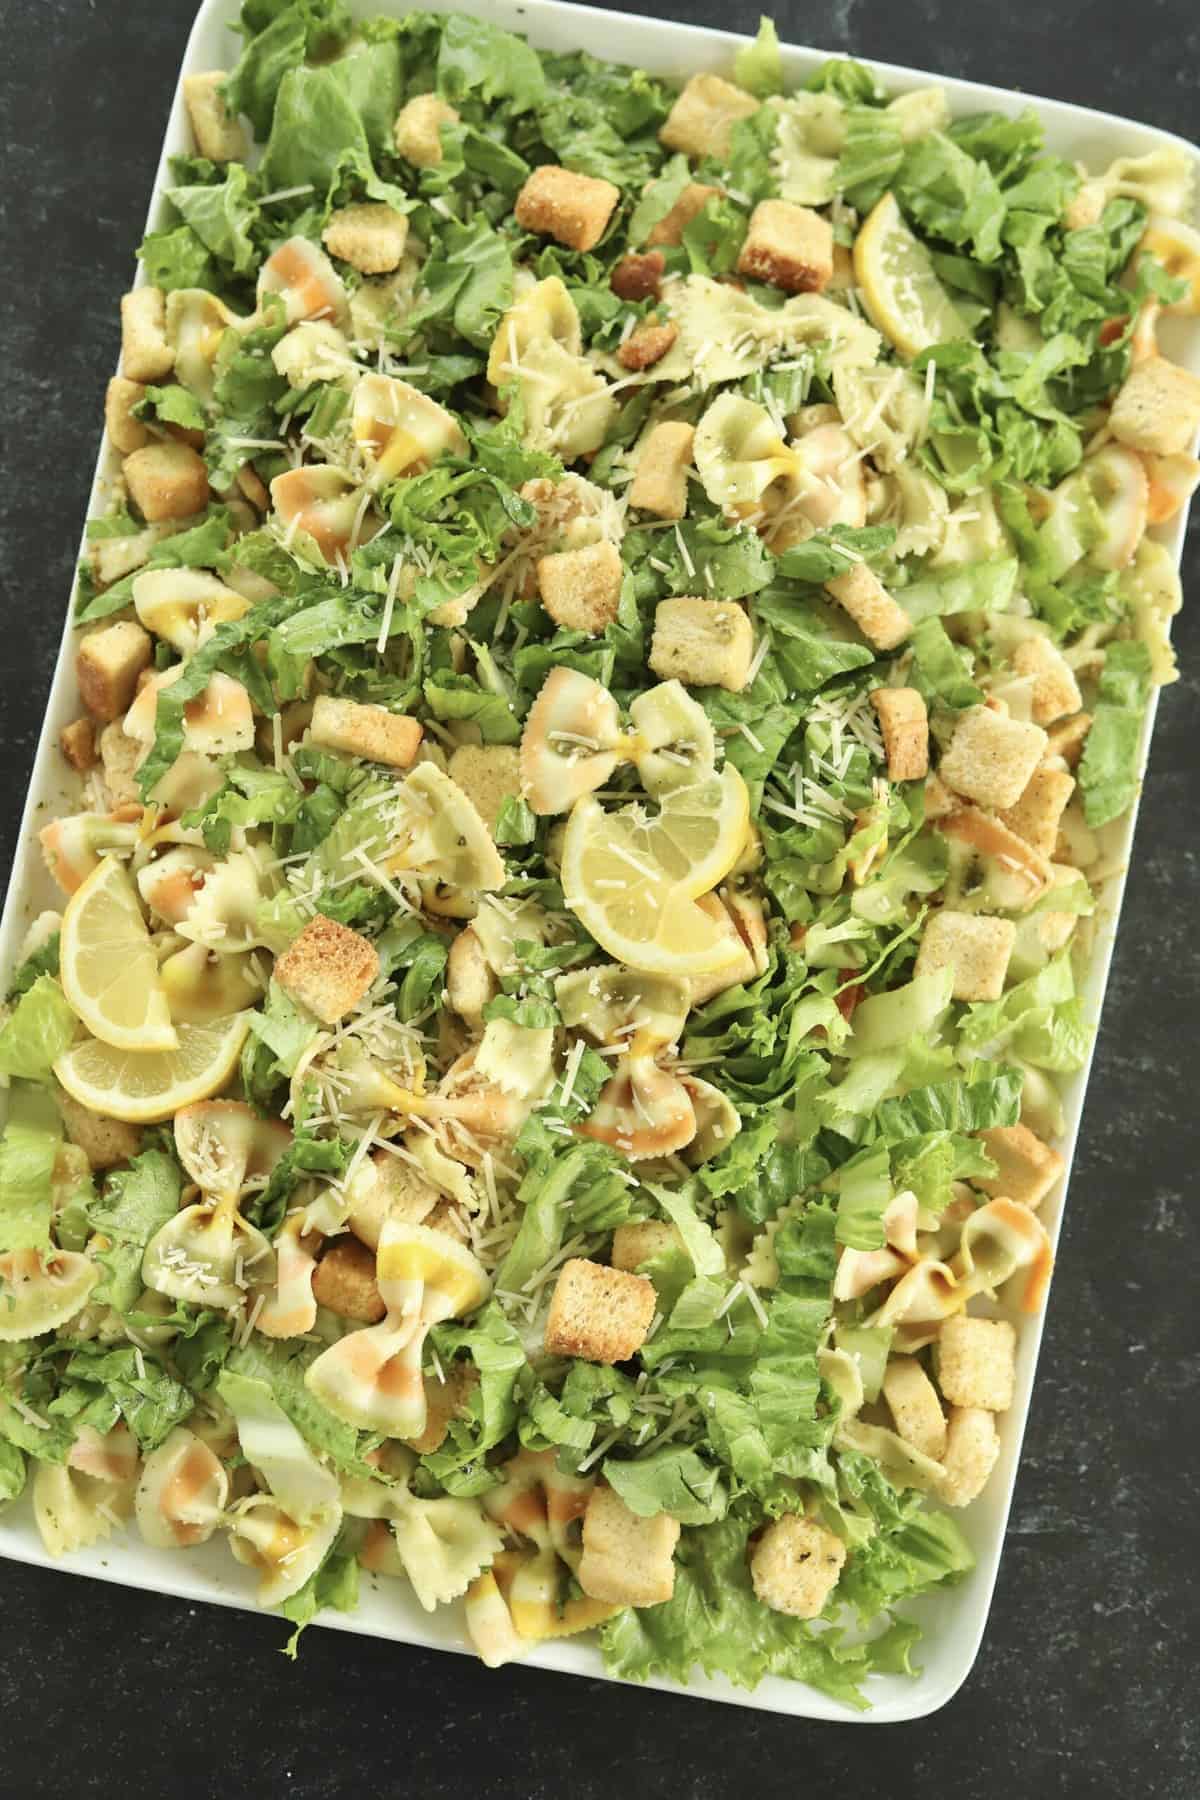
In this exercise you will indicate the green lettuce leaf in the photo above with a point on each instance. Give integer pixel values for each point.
(37, 1031)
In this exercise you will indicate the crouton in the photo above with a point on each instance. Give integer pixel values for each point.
(627, 1560)
(1067, 737)
(789, 247)
(915, 1408)
(600, 1314)
(125, 433)
(647, 345)
(444, 1400)
(660, 483)
(904, 726)
(417, 131)
(572, 209)
(1036, 815)
(1055, 689)
(328, 968)
(1026, 1168)
(704, 643)
(344, 1281)
(702, 119)
(77, 741)
(991, 757)
(107, 666)
(637, 277)
(795, 1566)
(975, 948)
(671, 227)
(364, 730)
(470, 983)
(255, 489)
(370, 237)
(634, 1244)
(217, 131)
(861, 593)
(388, 1188)
(1157, 408)
(972, 1448)
(488, 775)
(145, 353)
(166, 481)
(104, 1141)
(119, 758)
(976, 1362)
(581, 589)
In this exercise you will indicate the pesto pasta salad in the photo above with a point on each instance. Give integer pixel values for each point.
(621, 622)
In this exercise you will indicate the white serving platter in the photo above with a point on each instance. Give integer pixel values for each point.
(955, 1619)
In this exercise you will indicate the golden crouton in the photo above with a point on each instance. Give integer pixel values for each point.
(795, 1566)
(904, 727)
(991, 757)
(77, 741)
(704, 643)
(1067, 737)
(581, 589)
(702, 119)
(1157, 408)
(217, 132)
(417, 131)
(125, 433)
(789, 247)
(488, 775)
(600, 1314)
(387, 1187)
(647, 344)
(107, 666)
(328, 968)
(972, 1448)
(975, 948)
(626, 1559)
(119, 758)
(444, 1400)
(1026, 1168)
(861, 593)
(671, 227)
(364, 730)
(1036, 815)
(370, 237)
(104, 1141)
(915, 1408)
(1055, 689)
(572, 209)
(660, 484)
(344, 1281)
(470, 983)
(637, 277)
(976, 1362)
(145, 353)
(253, 487)
(634, 1244)
(167, 480)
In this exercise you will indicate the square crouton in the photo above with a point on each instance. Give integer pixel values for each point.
(600, 1314)
(704, 643)
(125, 433)
(581, 589)
(470, 983)
(344, 1281)
(647, 344)
(671, 227)
(1157, 408)
(217, 131)
(1055, 689)
(328, 968)
(104, 1141)
(991, 757)
(972, 1448)
(915, 1408)
(975, 948)
(635, 1244)
(572, 209)
(627, 1560)
(364, 730)
(107, 666)
(795, 1566)
(1067, 737)
(488, 775)
(788, 247)
(166, 481)
(861, 593)
(1036, 815)
(660, 483)
(904, 726)
(1026, 1168)
(119, 759)
(370, 237)
(702, 119)
(77, 741)
(145, 353)
(976, 1362)
(417, 131)
(638, 277)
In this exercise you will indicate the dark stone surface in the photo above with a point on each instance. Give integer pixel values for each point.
(1085, 1685)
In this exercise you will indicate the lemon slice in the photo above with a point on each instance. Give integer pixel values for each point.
(900, 285)
(108, 966)
(697, 833)
(141, 1087)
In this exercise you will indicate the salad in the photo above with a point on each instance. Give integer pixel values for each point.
(622, 622)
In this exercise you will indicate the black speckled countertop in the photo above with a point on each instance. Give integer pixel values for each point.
(1086, 1682)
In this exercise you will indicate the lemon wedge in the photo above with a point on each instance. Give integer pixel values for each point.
(903, 295)
(143, 1086)
(108, 967)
